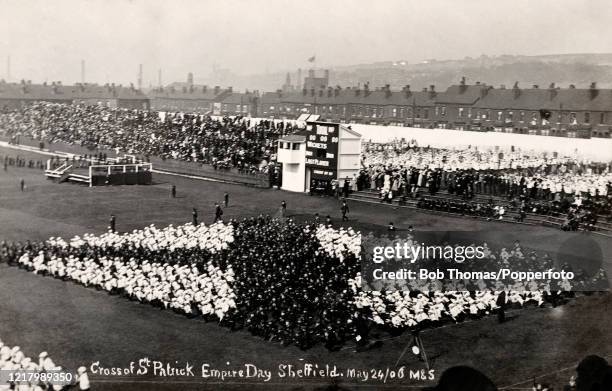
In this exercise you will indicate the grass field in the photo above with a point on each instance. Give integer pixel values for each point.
(78, 326)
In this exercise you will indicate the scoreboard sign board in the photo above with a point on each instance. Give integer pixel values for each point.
(322, 149)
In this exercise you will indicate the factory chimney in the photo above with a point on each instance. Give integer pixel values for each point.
(82, 71)
(140, 76)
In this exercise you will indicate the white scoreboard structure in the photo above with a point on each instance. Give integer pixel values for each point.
(323, 151)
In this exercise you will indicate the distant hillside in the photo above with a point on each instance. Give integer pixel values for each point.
(561, 69)
(526, 73)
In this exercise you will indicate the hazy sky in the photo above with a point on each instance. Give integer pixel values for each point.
(46, 40)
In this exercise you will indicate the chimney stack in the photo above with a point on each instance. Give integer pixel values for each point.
(553, 90)
(484, 90)
(593, 90)
(406, 90)
(432, 91)
(140, 76)
(462, 85)
(190, 79)
(516, 90)
(82, 71)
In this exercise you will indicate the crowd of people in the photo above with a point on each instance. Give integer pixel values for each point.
(533, 182)
(37, 375)
(298, 284)
(224, 143)
(293, 283)
(21, 162)
(462, 207)
(542, 183)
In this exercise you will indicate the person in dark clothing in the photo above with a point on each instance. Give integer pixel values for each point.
(501, 310)
(22, 184)
(363, 331)
(593, 374)
(283, 208)
(344, 209)
(173, 191)
(218, 212)
(112, 223)
(346, 188)
(226, 200)
(194, 216)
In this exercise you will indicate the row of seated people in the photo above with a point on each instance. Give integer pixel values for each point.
(487, 209)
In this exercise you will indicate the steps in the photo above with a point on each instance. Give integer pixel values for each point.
(72, 177)
(59, 173)
(64, 177)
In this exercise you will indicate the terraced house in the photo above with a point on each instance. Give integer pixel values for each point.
(553, 111)
(14, 95)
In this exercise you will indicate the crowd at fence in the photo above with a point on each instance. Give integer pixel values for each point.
(21, 162)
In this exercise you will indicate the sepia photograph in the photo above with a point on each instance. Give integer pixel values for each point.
(305, 195)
